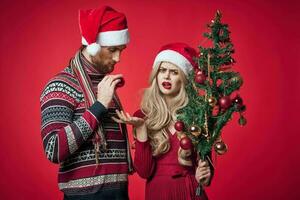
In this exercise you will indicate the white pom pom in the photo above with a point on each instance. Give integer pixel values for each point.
(93, 48)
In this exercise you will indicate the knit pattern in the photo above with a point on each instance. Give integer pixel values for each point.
(67, 129)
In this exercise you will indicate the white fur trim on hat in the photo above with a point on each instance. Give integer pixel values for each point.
(113, 38)
(93, 49)
(175, 58)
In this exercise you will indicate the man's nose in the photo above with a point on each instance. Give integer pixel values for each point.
(116, 57)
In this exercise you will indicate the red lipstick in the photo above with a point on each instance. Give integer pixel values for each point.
(167, 85)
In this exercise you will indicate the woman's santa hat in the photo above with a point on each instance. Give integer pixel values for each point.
(179, 54)
(102, 27)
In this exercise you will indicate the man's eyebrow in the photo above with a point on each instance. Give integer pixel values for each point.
(121, 48)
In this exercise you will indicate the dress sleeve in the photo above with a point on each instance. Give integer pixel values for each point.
(144, 162)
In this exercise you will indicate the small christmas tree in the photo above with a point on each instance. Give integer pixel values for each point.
(210, 90)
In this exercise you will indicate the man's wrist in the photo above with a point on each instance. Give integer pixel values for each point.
(103, 103)
(98, 109)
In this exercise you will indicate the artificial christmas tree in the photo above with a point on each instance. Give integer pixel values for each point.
(210, 91)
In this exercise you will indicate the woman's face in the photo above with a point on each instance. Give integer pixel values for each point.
(169, 79)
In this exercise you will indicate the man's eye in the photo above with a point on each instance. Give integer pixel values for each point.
(112, 50)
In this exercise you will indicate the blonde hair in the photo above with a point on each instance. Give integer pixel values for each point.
(159, 115)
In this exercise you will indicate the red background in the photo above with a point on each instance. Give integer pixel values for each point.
(39, 37)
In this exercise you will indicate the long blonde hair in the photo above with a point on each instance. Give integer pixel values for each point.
(158, 114)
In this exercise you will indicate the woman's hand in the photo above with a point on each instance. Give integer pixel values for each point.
(203, 172)
(127, 119)
(138, 123)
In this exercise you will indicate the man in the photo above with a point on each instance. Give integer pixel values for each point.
(77, 106)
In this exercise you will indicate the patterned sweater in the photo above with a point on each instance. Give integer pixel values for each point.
(67, 132)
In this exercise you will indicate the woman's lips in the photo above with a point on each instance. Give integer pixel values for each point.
(167, 85)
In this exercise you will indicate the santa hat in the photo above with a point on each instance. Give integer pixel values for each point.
(179, 54)
(102, 27)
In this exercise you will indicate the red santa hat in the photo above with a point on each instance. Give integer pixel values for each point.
(102, 27)
(179, 54)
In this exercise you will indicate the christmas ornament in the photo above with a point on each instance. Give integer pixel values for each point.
(195, 130)
(220, 147)
(212, 101)
(243, 108)
(238, 100)
(225, 102)
(200, 78)
(179, 126)
(236, 80)
(121, 83)
(186, 143)
(198, 71)
(242, 121)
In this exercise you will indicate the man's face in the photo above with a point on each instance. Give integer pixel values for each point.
(106, 59)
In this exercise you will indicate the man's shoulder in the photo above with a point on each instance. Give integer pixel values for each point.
(66, 74)
(64, 82)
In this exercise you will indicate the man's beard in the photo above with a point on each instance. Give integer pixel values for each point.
(104, 68)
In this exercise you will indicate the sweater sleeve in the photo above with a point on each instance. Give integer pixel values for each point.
(144, 163)
(61, 134)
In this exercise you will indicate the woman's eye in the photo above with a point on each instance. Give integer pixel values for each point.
(174, 72)
(162, 70)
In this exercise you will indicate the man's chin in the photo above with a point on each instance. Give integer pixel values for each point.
(110, 69)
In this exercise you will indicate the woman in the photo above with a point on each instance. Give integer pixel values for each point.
(171, 172)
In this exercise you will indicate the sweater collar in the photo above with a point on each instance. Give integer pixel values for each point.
(90, 68)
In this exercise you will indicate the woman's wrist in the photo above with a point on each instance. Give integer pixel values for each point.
(141, 133)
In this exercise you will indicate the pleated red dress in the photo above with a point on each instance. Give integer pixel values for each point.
(166, 178)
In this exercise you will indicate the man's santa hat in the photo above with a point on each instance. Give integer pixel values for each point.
(179, 54)
(102, 27)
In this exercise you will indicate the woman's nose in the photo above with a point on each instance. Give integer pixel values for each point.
(167, 74)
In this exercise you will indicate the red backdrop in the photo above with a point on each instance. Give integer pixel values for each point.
(39, 37)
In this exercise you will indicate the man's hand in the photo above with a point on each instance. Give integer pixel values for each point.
(106, 88)
(203, 173)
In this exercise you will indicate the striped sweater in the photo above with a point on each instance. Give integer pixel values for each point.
(67, 132)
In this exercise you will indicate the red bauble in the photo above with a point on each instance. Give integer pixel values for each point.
(225, 102)
(198, 71)
(200, 78)
(186, 143)
(238, 101)
(121, 83)
(179, 126)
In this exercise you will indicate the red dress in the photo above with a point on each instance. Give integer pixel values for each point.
(166, 178)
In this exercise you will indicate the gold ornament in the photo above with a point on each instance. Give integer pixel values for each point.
(212, 101)
(180, 135)
(195, 130)
(220, 147)
(237, 79)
